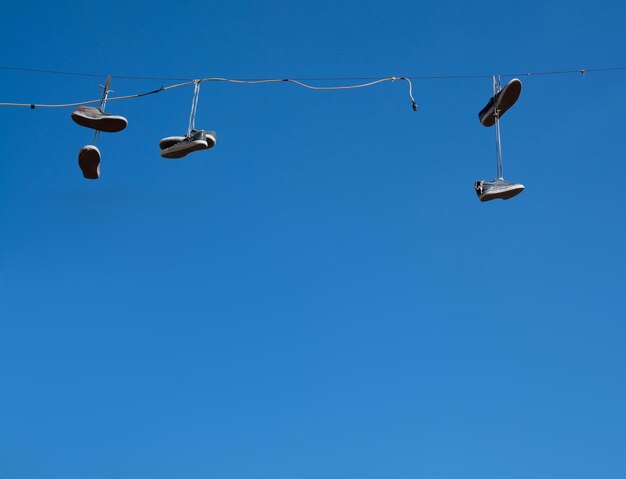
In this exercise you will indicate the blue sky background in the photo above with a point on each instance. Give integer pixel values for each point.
(321, 295)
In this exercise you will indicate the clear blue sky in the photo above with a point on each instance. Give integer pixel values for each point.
(321, 295)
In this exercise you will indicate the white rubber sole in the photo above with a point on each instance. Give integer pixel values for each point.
(502, 193)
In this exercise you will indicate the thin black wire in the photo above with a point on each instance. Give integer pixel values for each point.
(354, 78)
(95, 75)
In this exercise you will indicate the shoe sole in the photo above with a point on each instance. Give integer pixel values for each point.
(89, 162)
(180, 153)
(507, 99)
(111, 124)
(502, 194)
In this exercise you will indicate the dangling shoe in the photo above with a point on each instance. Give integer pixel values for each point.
(502, 101)
(211, 139)
(96, 119)
(498, 188)
(89, 162)
(170, 141)
(187, 145)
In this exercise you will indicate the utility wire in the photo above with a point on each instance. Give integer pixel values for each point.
(227, 80)
(297, 81)
(353, 78)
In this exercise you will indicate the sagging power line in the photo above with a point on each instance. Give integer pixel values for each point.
(226, 80)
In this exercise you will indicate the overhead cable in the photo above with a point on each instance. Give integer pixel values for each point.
(351, 78)
(227, 80)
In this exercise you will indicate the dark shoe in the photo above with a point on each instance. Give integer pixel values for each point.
(94, 118)
(170, 141)
(501, 102)
(498, 188)
(89, 162)
(211, 138)
(187, 145)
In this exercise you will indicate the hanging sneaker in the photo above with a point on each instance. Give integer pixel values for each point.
(498, 188)
(502, 101)
(187, 145)
(89, 162)
(170, 141)
(96, 119)
(211, 138)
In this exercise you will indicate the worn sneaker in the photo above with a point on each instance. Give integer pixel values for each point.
(170, 141)
(95, 118)
(187, 145)
(89, 162)
(498, 188)
(211, 138)
(502, 101)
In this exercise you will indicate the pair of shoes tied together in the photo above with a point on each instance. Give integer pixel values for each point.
(179, 146)
(501, 101)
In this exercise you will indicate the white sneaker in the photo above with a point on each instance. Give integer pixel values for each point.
(498, 188)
